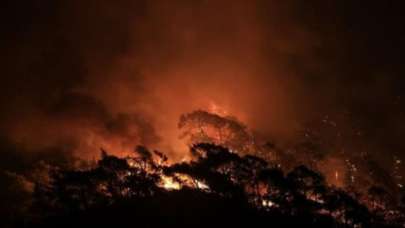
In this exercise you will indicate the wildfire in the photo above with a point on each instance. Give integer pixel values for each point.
(180, 180)
(169, 184)
(216, 109)
(267, 203)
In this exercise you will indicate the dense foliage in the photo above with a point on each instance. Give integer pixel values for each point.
(217, 188)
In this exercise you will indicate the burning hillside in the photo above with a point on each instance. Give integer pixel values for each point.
(227, 163)
(272, 110)
(247, 186)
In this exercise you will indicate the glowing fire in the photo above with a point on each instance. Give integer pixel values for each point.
(267, 203)
(171, 183)
(216, 109)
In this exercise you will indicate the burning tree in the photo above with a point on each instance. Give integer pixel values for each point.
(217, 182)
(204, 127)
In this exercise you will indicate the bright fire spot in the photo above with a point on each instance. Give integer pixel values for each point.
(333, 168)
(216, 109)
(169, 184)
(201, 185)
(267, 203)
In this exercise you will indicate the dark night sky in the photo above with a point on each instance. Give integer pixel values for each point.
(109, 70)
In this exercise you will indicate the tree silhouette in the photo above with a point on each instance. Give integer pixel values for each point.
(204, 127)
(239, 189)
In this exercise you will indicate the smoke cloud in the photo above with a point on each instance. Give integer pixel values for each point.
(84, 75)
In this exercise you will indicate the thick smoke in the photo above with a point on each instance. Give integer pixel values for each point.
(99, 74)
(84, 75)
